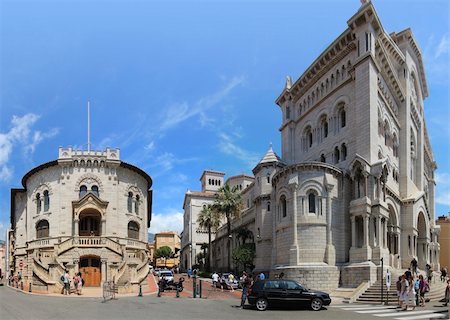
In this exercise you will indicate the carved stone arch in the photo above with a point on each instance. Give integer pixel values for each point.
(340, 101)
(417, 213)
(41, 218)
(89, 180)
(134, 190)
(415, 81)
(392, 209)
(42, 186)
(311, 185)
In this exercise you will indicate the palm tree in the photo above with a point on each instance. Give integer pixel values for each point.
(228, 203)
(209, 220)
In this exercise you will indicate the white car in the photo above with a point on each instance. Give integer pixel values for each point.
(166, 274)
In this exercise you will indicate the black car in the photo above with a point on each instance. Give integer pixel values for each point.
(265, 293)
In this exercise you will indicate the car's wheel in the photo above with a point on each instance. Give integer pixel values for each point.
(316, 304)
(261, 304)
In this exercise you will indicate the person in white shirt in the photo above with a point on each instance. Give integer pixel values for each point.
(215, 280)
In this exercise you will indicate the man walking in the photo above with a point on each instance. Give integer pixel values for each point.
(66, 283)
(246, 283)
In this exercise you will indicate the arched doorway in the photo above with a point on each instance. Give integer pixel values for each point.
(422, 240)
(90, 270)
(90, 223)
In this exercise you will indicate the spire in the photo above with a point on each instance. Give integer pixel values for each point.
(288, 83)
(270, 156)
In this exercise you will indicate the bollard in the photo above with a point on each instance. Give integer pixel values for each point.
(29, 288)
(178, 292)
(200, 288)
(140, 291)
(194, 287)
(21, 285)
(159, 292)
(17, 284)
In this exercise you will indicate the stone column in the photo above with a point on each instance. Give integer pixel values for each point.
(352, 218)
(294, 247)
(76, 228)
(103, 270)
(330, 253)
(103, 231)
(366, 230)
(379, 233)
(76, 263)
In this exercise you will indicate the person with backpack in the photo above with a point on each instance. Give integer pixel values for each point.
(66, 282)
(423, 289)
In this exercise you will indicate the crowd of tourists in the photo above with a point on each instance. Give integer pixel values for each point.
(412, 287)
(74, 284)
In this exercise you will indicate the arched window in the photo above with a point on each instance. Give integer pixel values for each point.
(322, 158)
(46, 201)
(283, 206)
(133, 230)
(344, 151)
(38, 203)
(310, 139)
(42, 229)
(136, 205)
(325, 128)
(268, 205)
(336, 155)
(342, 116)
(83, 190)
(268, 177)
(94, 190)
(312, 202)
(130, 202)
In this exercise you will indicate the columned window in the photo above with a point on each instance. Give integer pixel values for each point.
(133, 230)
(312, 202)
(130, 202)
(344, 151)
(136, 205)
(83, 191)
(342, 116)
(283, 206)
(336, 155)
(38, 203)
(94, 190)
(46, 201)
(42, 229)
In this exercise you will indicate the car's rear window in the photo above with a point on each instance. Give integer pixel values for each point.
(272, 285)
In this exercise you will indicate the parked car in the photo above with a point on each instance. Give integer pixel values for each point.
(228, 284)
(267, 293)
(156, 272)
(167, 275)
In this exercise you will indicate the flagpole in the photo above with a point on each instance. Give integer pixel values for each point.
(89, 125)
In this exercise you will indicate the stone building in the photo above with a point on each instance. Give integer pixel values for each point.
(444, 240)
(355, 181)
(172, 240)
(192, 237)
(86, 212)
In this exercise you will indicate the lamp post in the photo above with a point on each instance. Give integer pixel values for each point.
(381, 280)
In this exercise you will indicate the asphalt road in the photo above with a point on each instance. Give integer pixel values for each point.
(18, 305)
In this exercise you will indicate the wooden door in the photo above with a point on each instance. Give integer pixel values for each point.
(90, 272)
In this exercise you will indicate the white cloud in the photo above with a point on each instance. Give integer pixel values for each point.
(228, 147)
(166, 161)
(443, 47)
(170, 221)
(180, 112)
(150, 147)
(20, 135)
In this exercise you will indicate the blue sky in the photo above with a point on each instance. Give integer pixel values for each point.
(180, 86)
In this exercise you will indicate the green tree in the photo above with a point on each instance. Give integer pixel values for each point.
(243, 233)
(208, 220)
(165, 253)
(228, 203)
(244, 255)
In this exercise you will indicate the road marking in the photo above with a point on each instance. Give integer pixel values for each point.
(367, 308)
(375, 312)
(405, 313)
(425, 316)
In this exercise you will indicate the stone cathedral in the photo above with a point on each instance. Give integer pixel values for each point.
(355, 180)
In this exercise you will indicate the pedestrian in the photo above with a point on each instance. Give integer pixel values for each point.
(262, 276)
(281, 275)
(246, 283)
(423, 289)
(414, 266)
(231, 280)
(215, 280)
(189, 273)
(417, 289)
(443, 274)
(66, 282)
(398, 286)
(447, 293)
(429, 272)
(411, 299)
(408, 274)
(404, 293)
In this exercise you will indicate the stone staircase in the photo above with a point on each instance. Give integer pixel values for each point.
(373, 294)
